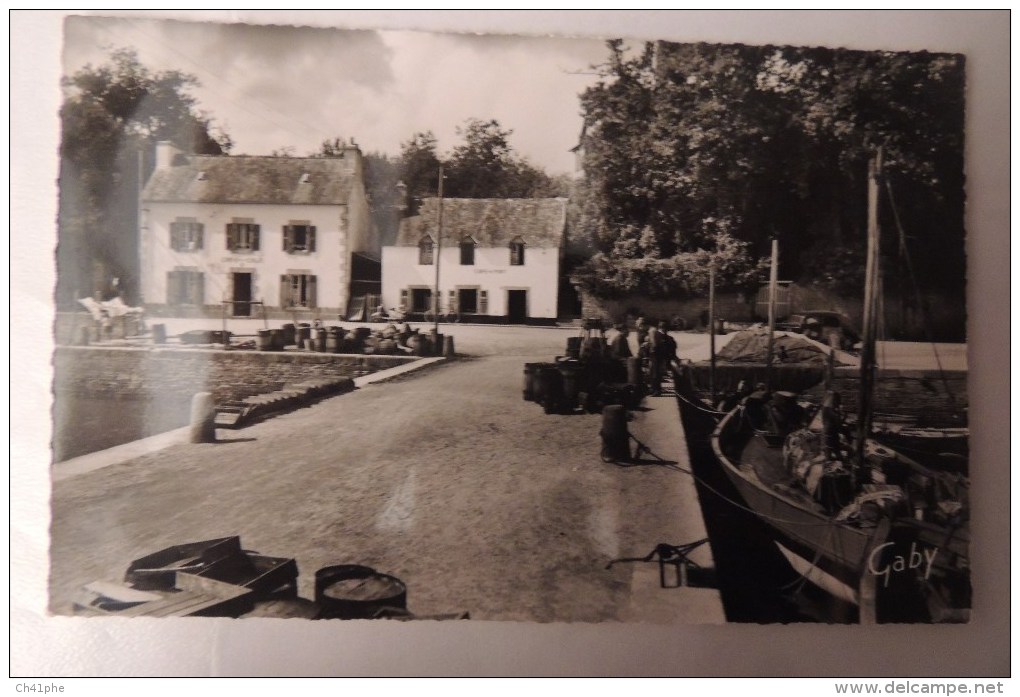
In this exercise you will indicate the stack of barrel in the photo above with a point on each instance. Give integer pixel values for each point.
(391, 340)
(585, 378)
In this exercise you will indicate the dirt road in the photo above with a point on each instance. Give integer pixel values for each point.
(446, 479)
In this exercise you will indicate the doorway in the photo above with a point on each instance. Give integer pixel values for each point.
(421, 300)
(242, 294)
(467, 301)
(517, 306)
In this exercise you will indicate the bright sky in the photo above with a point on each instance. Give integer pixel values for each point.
(271, 87)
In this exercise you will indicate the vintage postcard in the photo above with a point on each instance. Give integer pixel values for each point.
(406, 326)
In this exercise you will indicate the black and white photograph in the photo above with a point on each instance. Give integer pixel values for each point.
(367, 326)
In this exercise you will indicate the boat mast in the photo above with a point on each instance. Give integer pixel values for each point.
(773, 276)
(868, 367)
(711, 331)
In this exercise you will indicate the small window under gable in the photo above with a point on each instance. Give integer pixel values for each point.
(467, 251)
(517, 251)
(425, 251)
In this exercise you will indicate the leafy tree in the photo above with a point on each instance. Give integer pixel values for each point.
(481, 166)
(111, 118)
(686, 142)
(419, 168)
(485, 165)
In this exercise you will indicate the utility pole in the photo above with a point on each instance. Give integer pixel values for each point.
(439, 251)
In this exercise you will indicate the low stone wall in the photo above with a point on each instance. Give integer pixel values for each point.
(229, 375)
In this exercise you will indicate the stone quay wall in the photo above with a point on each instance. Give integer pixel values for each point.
(229, 375)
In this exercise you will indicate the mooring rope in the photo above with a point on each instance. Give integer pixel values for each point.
(700, 407)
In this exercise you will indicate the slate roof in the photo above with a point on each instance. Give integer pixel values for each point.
(491, 222)
(244, 179)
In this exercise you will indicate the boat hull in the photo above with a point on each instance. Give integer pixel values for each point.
(829, 555)
(894, 569)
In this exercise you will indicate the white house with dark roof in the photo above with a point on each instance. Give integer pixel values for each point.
(221, 233)
(499, 259)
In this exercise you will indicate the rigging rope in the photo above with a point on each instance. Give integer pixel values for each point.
(917, 289)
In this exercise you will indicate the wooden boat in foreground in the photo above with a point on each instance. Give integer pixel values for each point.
(863, 522)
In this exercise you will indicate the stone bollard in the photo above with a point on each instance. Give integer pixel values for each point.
(614, 433)
(203, 418)
(448, 346)
(634, 371)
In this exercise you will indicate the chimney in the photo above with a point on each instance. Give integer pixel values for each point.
(165, 153)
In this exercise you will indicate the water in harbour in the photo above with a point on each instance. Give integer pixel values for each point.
(88, 422)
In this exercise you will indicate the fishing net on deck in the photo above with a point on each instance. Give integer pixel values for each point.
(751, 346)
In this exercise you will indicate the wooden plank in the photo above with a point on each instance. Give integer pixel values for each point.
(201, 584)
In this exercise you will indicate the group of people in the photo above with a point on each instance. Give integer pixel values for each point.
(656, 348)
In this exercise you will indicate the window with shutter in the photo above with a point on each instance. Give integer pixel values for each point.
(186, 235)
(483, 302)
(185, 287)
(299, 237)
(298, 290)
(243, 237)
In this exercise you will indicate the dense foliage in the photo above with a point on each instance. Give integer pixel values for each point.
(697, 150)
(482, 165)
(112, 116)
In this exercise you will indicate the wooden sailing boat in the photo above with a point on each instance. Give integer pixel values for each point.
(855, 518)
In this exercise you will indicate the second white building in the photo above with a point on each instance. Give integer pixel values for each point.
(498, 259)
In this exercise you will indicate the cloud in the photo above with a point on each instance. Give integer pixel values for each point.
(271, 87)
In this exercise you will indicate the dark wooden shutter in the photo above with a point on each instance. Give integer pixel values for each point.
(175, 236)
(311, 291)
(231, 236)
(285, 291)
(311, 238)
(403, 299)
(288, 238)
(451, 303)
(255, 229)
(199, 235)
(173, 288)
(483, 302)
(196, 289)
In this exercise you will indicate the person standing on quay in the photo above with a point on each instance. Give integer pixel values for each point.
(653, 350)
